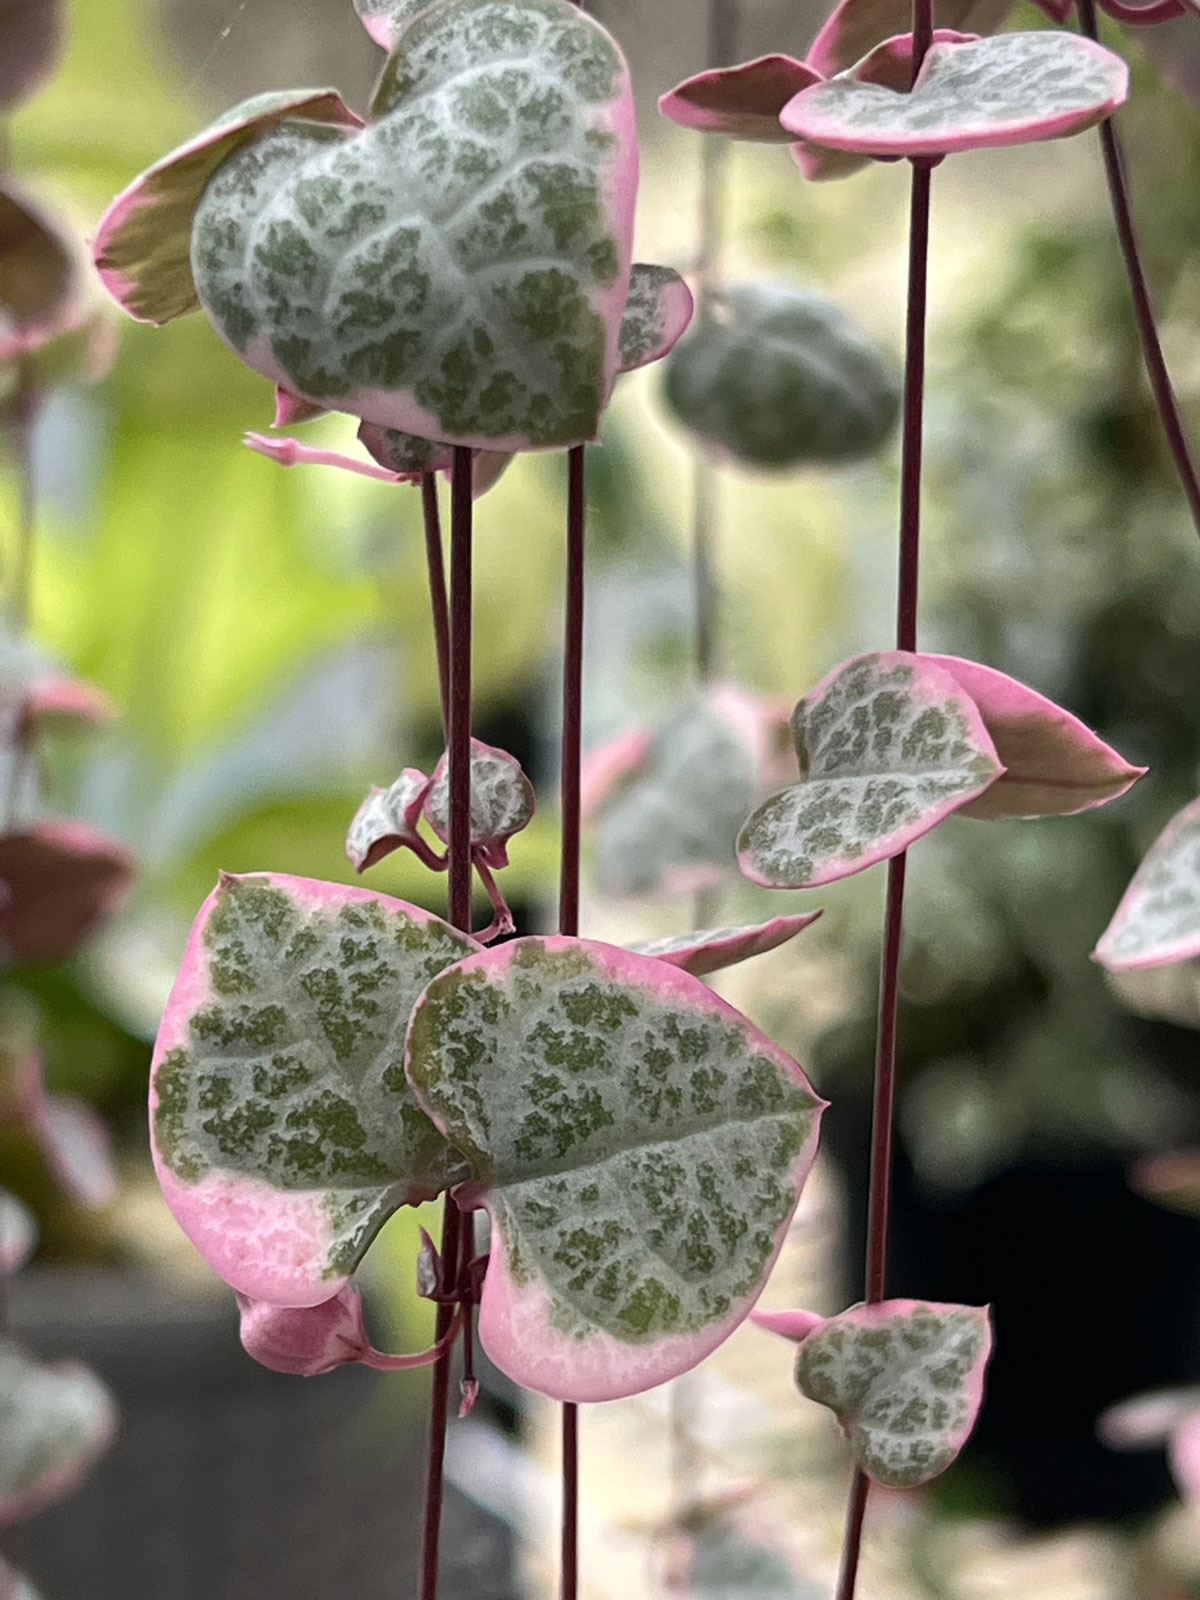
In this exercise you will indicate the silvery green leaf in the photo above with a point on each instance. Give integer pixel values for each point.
(55, 1421)
(657, 312)
(1158, 920)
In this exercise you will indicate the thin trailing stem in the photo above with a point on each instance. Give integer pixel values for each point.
(883, 1106)
(459, 743)
(1143, 309)
(438, 604)
(568, 904)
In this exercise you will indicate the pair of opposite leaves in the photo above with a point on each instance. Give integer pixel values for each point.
(457, 269)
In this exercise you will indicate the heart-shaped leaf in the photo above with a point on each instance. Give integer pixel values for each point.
(742, 102)
(1009, 89)
(304, 1340)
(284, 1132)
(855, 27)
(781, 378)
(62, 878)
(142, 248)
(31, 33)
(1054, 765)
(502, 801)
(639, 1146)
(55, 1422)
(386, 20)
(18, 1233)
(39, 278)
(458, 268)
(712, 949)
(387, 820)
(904, 1379)
(1158, 919)
(889, 745)
(657, 311)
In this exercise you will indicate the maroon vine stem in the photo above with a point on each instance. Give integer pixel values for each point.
(568, 904)
(439, 606)
(459, 745)
(1152, 354)
(883, 1106)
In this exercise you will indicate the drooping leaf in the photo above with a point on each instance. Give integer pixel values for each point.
(62, 879)
(502, 801)
(386, 20)
(283, 1129)
(904, 1379)
(142, 248)
(712, 949)
(304, 1340)
(639, 1146)
(855, 27)
(55, 1422)
(888, 745)
(1158, 919)
(782, 378)
(742, 102)
(77, 1149)
(457, 269)
(1011, 88)
(18, 1233)
(31, 33)
(387, 820)
(1054, 765)
(38, 271)
(657, 311)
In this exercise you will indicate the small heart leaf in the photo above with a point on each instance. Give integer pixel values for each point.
(55, 1421)
(1009, 89)
(62, 879)
(31, 36)
(657, 310)
(904, 1379)
(18, 1234)
(742, 102)
(284, 1131)
(387, 820)
(458, 268)
(142, 248)
(304, 1340)
(783, 378)
(712, 949)
(502, 801)
(639, 1146)
(855, 27)
(889, 745)
(1158, 919)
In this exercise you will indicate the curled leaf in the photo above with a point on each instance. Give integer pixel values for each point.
(304, 1340)
(904, 1379)
(502, 801)
(781, 377)
(284, 1132)
(855, 27)
(1158, 919)
(742, 102)
(970, 94)
(657, 311)
(639, 1146)
(55, 1421)
(58, 880)
(889, 746)
(387, 820)
(18, 1233)
(712, 949)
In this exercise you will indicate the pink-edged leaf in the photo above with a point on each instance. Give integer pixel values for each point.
(290, 410)
(657, 312)
(638, 1144)
(904, 1379)
(855, 27)
(55, 1422)
(305, 1340)
(18, 1233)
(1158, 919)
(39, 276)
(793, 1325)
(387, 820)
(1054, 765)
(143, 243)
(77, 1149)
(1009, 89)
(712, 949)
(283, 1129)
(742, 102)
(57, 881)
(782, 378)
(1146, 1420)
(55, 703)
(31, 36)
(1172, 1178)
(386, 20)
(502, 801)
(889, 746)
(288, 452)
(477, 295)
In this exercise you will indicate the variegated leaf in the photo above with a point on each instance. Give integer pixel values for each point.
(386, 20)
(1008, 89)
(657, 311)
(855, 27)
(457, 269)
(55, 1421)
(304, 1340)
(283, 1129)
(387, 820)
(888, 746)
(639, 1146)
(18, 1234)
(1158, 920)
(142, 248)
(742, 102)
(502, 801)
(904, 1379)
(782, 378)
(712, 949)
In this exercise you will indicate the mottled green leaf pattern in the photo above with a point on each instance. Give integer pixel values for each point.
(386, 20)
(457, 269)
(54, 1422)
(387, 819)
(888, 745)
(657, 311)
(1158, 920)
(904, 1379)
(639, 1146)
(502, 799)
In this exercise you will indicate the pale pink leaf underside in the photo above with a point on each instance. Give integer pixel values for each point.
(742, 102)
(713, 949)
(1158, 919)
